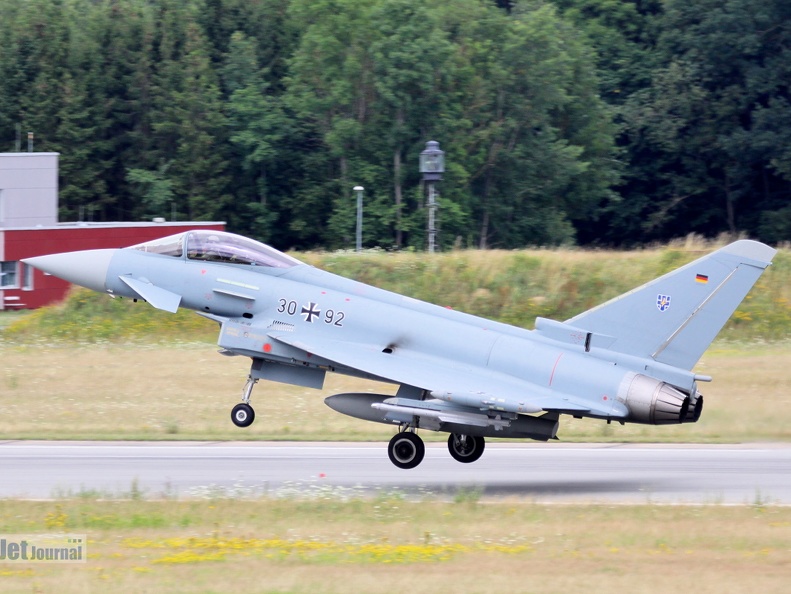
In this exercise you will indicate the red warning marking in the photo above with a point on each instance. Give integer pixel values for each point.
(554, 367)
(267, 348)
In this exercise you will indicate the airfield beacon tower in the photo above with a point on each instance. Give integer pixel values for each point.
(432, 166)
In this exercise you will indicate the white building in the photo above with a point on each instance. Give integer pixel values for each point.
(28, 190)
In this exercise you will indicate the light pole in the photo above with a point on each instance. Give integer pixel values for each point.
(359, 190)
(432, 166)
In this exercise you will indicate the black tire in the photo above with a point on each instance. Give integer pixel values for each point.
(242, 415)
(469, 451)
(406, 450)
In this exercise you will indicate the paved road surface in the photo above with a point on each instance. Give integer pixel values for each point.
(728, 474)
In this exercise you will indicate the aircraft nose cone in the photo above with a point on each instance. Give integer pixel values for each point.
(86, 268)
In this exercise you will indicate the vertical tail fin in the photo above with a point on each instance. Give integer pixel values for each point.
(673, 319)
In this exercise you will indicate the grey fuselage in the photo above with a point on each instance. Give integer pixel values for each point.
(252, 302)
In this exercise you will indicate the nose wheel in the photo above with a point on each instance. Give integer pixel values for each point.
(406, 450)
(243, 414)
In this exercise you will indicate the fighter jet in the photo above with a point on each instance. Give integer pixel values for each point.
(629, 360)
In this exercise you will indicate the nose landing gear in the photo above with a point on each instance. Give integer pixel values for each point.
(243, 414)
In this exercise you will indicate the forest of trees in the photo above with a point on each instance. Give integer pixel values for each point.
(590, 122)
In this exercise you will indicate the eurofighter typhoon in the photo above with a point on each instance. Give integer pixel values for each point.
(629, 360)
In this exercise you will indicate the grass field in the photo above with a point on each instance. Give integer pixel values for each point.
(186, 391)
(510, 286)
(328, 547)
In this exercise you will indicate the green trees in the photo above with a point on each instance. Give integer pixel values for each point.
(514, 98)
(543, 139)
(706, 133)
(588, 121)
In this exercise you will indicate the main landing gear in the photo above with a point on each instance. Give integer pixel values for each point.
(243, 414)
(406, 450)
(465, 448)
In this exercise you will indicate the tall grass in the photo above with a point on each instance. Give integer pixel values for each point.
(511, 286)
(86, 316)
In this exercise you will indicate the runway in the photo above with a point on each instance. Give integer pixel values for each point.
(552, 473)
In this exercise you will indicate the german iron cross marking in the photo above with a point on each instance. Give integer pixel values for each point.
(310, 311)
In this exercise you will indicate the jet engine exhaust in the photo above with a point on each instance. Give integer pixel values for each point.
(695, 408)
(653, 402)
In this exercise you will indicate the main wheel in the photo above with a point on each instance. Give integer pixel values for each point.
(406, 450)
(465, 448)
(243, 415)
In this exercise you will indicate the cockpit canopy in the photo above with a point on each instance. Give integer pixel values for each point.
(218, 246)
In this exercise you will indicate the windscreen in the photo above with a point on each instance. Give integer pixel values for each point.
(172, 245)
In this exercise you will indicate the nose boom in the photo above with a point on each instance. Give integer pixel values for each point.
(85, 268)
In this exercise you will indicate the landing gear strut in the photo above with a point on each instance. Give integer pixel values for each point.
(406, 450)
(465, 448)
(243, 414)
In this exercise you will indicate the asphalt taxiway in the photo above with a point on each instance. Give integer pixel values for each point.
(592, 473)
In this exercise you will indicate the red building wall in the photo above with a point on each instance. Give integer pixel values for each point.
(46, 289)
